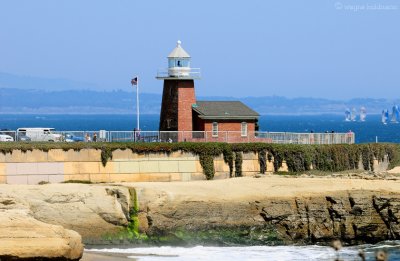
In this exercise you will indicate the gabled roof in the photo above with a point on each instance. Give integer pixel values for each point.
(224, 110)
(178, 52)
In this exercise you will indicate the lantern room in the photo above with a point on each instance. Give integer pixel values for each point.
(178, 62)
(178, 66)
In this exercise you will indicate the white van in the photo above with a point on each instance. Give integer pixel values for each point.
(5, 137)
(39, 134)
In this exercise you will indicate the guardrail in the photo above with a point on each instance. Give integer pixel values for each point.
(193, 73)
(182, 136)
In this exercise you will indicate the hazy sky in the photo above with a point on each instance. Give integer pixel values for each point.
(313, 48)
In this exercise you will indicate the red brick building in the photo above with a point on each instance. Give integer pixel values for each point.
(219, 117)
(181, 113)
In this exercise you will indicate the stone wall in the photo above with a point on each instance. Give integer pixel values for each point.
(56, 165)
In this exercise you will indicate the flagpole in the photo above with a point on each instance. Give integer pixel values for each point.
(137, 104)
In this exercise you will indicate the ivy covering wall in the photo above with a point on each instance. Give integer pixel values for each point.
(299, 158)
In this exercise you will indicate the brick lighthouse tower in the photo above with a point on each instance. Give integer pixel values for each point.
(178, 93)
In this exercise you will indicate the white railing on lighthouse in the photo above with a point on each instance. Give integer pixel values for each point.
(193, 73)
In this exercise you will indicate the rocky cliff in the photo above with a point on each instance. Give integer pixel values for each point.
(44, 221)
(22, 237)
(271, 210)
(353, 217)
(280, 216)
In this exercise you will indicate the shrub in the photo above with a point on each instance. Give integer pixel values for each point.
(238, 163)
(228, 158)
(262, 160)
(207, 163)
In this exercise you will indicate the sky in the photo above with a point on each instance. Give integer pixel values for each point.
(316, 48)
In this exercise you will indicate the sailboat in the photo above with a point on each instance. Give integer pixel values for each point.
(363, 113)
(347, 114)
(353, 114)
(395, 114)
(385, 116)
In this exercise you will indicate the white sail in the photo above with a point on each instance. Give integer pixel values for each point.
(395, 114)
(384, 116)
(363, 113)
(398, 114)
(353, 114)
(347, 114)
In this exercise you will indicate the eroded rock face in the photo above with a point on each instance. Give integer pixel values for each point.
(353, 217)
(23, 237)
(92, 211)
(388, 208)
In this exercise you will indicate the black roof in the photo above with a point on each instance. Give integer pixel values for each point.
(224, 110)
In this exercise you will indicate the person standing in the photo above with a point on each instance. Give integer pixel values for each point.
(94, 137)
(87, 137)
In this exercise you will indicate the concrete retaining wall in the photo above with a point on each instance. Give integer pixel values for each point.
(56, 165)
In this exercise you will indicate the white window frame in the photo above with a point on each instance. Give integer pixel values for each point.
(215, 129)
(243, 129)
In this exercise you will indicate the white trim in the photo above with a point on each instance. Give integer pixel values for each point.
(214, 130)
(243, 132)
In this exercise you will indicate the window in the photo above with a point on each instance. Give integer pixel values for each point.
(169, 123)
(215, 129)
(244, 129)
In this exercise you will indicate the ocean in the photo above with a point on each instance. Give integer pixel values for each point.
(367, 131)
(256, 253)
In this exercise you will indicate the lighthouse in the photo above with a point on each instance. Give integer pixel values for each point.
(178, 92)
(183, 118)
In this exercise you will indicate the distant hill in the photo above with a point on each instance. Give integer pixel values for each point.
(76, 102)
(16, 100)
(29, 94)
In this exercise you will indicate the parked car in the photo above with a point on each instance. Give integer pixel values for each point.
(22, 137)
(8, 132)
(39, 134)
(69, 137)
(5, 137)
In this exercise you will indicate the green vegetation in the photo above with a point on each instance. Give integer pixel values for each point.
(207, 163)
(130, 233)
(133, 227)
(78, 181)
(299, 158)
(262, 160)
(238, 163)
(228, 159)
(229, 236)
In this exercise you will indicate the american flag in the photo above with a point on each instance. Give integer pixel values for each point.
(134, 81)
